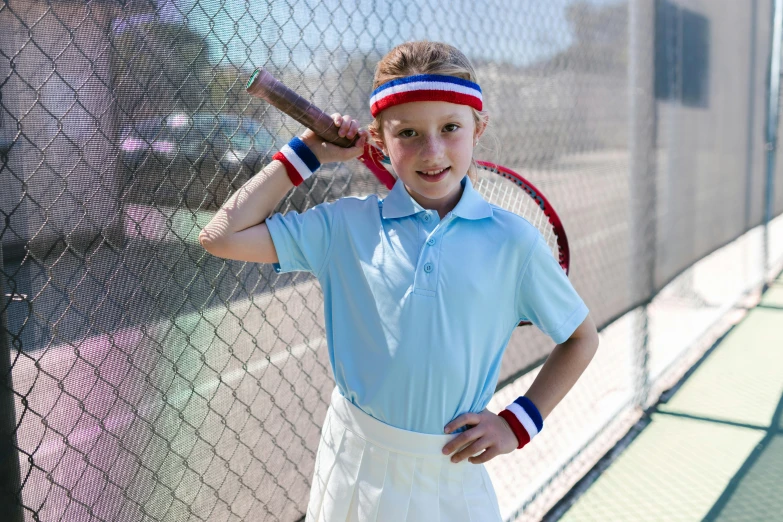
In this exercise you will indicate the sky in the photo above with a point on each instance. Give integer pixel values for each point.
(250, 34)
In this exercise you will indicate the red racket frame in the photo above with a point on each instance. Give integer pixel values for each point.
(373, 160)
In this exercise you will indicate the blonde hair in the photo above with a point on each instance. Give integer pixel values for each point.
(423, 57)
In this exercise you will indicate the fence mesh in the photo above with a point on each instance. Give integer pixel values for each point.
(148, 380)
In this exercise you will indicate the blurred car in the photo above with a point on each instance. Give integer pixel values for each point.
(194, 160)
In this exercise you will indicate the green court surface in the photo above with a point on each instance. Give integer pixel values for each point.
(714, 451)
(774, 296)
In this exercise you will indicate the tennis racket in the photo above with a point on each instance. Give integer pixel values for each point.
(498, 185)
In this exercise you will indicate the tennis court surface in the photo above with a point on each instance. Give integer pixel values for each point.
(712, 449)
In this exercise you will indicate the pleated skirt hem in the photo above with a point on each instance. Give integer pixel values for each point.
(368, 471)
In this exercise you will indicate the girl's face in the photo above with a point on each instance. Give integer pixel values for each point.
(430, 144)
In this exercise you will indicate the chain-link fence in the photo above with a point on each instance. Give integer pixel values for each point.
(148, 380)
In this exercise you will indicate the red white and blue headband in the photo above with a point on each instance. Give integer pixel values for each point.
(425, 87)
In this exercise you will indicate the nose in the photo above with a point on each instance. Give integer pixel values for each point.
(432, 147)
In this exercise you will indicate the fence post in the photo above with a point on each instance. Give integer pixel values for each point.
(641, 99)
(10, 473)
(773, 108)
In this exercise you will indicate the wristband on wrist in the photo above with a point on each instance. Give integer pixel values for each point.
(524, 418)
(299, 161)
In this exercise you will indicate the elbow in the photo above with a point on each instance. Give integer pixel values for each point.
(594, 338)
(208, 241)
(204, 239)
(594, 345)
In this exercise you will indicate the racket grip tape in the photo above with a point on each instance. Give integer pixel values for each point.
(265, 86)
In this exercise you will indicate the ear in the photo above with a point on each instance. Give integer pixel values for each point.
(481, 126)
(378, 140)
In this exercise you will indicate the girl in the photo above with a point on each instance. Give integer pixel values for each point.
(422, 290)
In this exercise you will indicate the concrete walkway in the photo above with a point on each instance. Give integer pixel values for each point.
(714, 450)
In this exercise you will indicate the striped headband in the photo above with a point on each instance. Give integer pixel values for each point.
(426, 87)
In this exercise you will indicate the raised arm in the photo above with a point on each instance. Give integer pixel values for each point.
(237, 230)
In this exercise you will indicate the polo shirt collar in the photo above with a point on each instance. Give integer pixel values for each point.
(470, 206)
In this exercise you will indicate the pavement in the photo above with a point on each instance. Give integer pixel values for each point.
(712, 448)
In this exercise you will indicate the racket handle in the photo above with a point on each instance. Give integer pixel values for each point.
(265, 86)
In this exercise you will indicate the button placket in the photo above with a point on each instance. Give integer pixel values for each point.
(425, 280)
(428, 269)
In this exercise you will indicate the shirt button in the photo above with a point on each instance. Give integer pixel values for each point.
(431, 241)
(426, 217)
(428, 267)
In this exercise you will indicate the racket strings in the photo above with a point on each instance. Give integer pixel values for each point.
(506, 194)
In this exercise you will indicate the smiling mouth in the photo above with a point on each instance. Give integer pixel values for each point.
(433, 172)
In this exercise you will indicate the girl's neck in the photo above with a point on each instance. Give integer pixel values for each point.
(442, 206)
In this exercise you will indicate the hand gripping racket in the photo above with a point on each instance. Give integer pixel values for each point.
(498, 185)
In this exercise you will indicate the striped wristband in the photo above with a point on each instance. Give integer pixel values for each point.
(524, 419)
(300, 162)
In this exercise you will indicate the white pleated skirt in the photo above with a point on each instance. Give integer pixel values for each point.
(368, 471)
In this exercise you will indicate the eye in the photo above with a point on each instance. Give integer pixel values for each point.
(407, 133)
(450, 127)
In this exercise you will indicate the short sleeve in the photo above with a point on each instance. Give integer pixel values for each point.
(302, 240)
(545, 296)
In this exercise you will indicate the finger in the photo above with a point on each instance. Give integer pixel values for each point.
(363, 137)
(466, 419)
(475, 448)
(488, 455)
(462, 440)
(344, 128)
(353, 129)
(337, 119)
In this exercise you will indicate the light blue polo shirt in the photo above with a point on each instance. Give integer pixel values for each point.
(419, 309)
